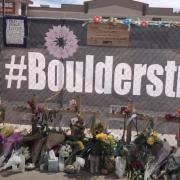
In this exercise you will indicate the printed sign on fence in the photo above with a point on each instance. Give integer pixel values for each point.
(57, 61)
(15, 31)
(101, 79)
(107, 34)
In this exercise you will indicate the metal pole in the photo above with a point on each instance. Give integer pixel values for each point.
(3, 7)
(3, 14)
(26, 8)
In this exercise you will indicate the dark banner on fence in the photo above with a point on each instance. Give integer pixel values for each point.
(57, 60)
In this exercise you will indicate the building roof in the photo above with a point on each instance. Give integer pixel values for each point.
(123, 3)
(94, 4)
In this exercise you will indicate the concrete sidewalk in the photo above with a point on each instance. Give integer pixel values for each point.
(36, 175)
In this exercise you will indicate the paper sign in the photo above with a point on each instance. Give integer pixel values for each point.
(15, 31)
(107, 34)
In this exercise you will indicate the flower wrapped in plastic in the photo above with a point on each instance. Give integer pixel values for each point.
(80, 145)
(65, 151)
(6, 131)
(153, 138)
(148, 138)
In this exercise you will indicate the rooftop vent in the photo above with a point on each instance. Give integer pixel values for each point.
(44, 6)
(156, 19)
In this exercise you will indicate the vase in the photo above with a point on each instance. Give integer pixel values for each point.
(61, 163)
(109, 163)
(94, 164)
(120, 166)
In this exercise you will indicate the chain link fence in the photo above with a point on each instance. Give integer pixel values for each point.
(152, 45)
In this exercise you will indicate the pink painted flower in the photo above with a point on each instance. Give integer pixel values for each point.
(61, 42)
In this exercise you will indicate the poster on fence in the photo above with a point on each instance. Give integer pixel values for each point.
(107, 35)
(15, 31)
(57, 60)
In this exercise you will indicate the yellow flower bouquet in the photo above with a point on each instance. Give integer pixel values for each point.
(6, 131)
(102, 136)
(153, 138)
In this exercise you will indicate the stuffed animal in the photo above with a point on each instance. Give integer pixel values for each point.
(77, 165)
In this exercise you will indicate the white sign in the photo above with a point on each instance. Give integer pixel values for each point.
(15, 31)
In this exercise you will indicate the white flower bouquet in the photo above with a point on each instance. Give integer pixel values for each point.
(65, 151)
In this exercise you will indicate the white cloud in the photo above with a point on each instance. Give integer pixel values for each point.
(162, 3)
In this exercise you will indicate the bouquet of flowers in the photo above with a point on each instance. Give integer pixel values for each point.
(76, 149)
(153, 138)
(145, 144)
(148, 138)
(102, 137)
(65, 151)
(110, 145)
(6, 131)
(79, 145)
(98, 129)
(103, 144)
(77, 128)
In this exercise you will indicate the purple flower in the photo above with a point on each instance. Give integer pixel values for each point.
(1, 138)
(9, 142)
(61, 42)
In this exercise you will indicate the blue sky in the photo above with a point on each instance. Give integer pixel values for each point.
(153, 3)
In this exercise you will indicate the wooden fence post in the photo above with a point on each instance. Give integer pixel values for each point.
(78, 101)
(129, 127)
(34, 119)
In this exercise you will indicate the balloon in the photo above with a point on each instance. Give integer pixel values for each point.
(97, 19)
(144, 24)
(126, 22)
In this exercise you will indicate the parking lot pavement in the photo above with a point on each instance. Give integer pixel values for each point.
(36, 175)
